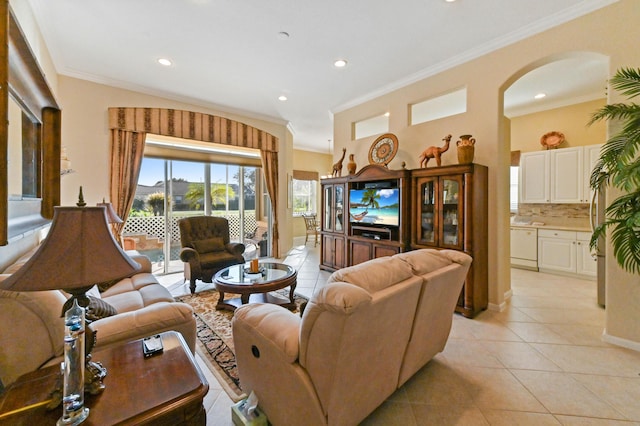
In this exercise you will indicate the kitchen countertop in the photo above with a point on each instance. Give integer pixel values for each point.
(576, 228)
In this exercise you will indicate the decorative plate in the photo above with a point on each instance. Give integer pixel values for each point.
(383, 149)
(552, 139)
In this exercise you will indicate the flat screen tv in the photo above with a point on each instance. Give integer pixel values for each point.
(374, 206)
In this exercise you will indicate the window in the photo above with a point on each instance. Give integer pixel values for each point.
(371, 126)
(513, 203)
(439, 107)
(304, 196)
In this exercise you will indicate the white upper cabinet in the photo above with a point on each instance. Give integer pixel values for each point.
(534, 177)
(566, 178)
(557, 175)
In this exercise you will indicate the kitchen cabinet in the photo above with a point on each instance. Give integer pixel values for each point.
(565, 251)
(533, 182)
(449, 211)
(524, 248)
(557, 175)
(332, 229)
(586, 261)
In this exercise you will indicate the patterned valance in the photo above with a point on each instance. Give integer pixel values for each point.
(191, 125)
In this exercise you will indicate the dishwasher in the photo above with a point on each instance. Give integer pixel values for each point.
(524, 248)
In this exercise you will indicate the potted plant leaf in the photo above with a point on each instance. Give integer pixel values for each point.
(619, 167)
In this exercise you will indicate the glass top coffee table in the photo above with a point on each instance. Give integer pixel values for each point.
(255, 288)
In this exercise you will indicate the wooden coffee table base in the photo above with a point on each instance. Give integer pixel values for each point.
(276, 299)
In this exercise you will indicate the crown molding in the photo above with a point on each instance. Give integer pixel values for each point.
(522, 33)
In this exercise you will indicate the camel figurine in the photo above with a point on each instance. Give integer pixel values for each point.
(337, 168)
(434, 152)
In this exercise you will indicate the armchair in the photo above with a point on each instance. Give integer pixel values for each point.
(206, 248)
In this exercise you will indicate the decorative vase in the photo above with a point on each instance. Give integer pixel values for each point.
(351, 165)
(465, 149)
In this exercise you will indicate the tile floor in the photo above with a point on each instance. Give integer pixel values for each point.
(539, 362)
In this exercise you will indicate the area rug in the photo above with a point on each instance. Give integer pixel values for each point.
(215, 340)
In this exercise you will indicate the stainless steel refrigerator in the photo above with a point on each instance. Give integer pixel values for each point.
(597, 207)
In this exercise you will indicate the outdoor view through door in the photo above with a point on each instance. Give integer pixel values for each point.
(169, 190)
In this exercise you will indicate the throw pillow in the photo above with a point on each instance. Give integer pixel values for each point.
(209, 245)
(96, 310)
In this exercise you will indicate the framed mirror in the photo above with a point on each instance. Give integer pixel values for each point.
(29, 136)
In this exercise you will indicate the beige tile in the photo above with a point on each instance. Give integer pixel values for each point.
(536, 333)
(511, 314)
(220, 413)
(562, 394)
(583, 335)
(565, 315)
(438, 415)
(459, 351)
(520, 355)
(612, 361)
(487, 328)
(590, 421)
(522, 301)
(622, 393)
(392, 413)
(439, 384)
(520, 418)
(498, 389)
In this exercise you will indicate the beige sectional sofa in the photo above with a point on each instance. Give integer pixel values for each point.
(362, 335)
(32, 330)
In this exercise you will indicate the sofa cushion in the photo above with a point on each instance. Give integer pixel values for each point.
(216, 259)
(374, 275)
(209, 245)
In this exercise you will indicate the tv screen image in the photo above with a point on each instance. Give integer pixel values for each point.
(374, 206)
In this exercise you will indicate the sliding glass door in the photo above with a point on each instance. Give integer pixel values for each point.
(169, 190)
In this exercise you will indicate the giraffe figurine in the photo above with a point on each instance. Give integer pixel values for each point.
(337, 167)
(434, 152)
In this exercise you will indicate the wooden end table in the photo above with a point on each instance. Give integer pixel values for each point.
(164, 389)
(255, 288)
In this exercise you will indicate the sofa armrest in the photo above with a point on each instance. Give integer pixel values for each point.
(269, 327)
(144, 261)
(187, 254)
(152, 319)
(235, 248)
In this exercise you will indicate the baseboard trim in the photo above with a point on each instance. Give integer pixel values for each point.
(625, 343)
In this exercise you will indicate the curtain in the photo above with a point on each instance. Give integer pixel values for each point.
(270, 169)
(127, 149)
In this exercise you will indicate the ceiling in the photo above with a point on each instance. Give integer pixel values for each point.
(230, 55)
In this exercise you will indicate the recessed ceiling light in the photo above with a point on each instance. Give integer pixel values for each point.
(283, 35)
(164, 61)
(340, 63)
(282, 98)
(540, 95)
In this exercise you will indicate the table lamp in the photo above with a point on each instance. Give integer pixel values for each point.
(112, 218)
(78, 253)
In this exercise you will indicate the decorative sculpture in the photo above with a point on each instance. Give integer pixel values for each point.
(434, 152)
(337, 167)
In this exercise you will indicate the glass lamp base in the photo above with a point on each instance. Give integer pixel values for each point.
(74, 419)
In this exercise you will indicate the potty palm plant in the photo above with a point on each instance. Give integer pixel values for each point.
(619, 167)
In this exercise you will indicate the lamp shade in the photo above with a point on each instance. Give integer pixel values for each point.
(78, 252)
(112, 216)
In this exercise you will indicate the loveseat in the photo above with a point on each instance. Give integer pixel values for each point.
(32, 330)
(362, 335)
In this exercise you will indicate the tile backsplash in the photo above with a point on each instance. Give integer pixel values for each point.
(556, 214)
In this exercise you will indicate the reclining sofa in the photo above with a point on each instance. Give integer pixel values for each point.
(361, 337)
(32, 330)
